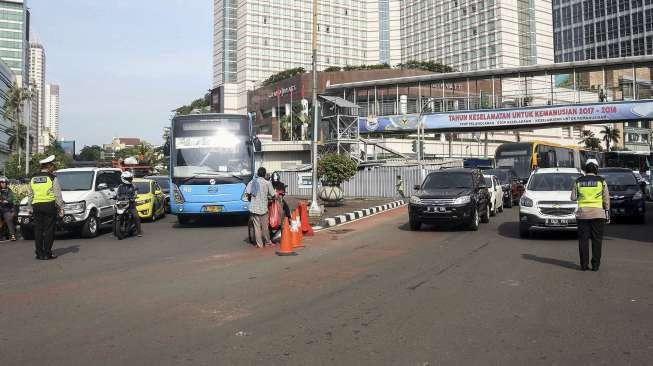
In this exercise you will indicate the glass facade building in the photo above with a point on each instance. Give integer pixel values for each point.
(14, 36)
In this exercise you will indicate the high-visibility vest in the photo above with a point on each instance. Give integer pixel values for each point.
(42, 189)
(590, 191)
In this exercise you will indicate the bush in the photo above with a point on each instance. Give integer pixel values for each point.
(334, 169)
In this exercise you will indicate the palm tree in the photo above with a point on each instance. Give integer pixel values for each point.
(611, 135)
(13, 111)
(590, 141)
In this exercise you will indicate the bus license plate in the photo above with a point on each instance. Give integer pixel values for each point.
(213, 209)
(557, 222)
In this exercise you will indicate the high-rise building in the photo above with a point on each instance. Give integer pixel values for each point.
(14, 37)
(37, 84)
(471, 35)
(587, 30)
(254, 39)
(7, 79)
(52, 109)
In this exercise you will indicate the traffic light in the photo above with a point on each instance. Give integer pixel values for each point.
(421, 144)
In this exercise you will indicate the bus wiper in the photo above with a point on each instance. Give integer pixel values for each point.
(237, 177)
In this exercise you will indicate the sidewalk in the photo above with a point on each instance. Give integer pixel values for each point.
(347, 206)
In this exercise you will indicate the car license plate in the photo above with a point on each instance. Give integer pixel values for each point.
(213, 209)
(436, 209)
(557, 222)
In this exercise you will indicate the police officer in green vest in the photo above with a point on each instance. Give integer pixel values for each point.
(47, 204)
(591, 192)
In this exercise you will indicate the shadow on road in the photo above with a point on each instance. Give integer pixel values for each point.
(204, 222)
(444, 227)
(511, 230)
(553, 261)
(63, 251)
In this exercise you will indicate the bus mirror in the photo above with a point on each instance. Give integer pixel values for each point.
(257, 144)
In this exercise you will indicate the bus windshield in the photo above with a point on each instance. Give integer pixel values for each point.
(210, 148)
(518, 157)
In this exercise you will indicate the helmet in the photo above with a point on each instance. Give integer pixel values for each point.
(4, 179)
(592, 162)
(127, 177)
(275, 177)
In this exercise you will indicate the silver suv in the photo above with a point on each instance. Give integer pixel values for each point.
(89, 196)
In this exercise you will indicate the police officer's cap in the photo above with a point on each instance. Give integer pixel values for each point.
(48, 160)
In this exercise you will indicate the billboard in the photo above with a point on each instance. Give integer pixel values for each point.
(504, 119)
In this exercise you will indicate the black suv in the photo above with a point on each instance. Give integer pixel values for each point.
(451, 195)
(627, 198)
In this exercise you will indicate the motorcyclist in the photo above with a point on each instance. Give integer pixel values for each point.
(7, 207)
(280, 188)
(127, 191)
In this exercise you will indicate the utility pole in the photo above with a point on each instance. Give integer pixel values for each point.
(315, 207)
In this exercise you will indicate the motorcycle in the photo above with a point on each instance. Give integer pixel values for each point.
(284, 211)
(124, 221)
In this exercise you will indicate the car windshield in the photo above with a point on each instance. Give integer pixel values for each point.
(552, 181)
(75, 181)
(619, 178)
(488, 181)
(444, 180)
(502, 175)
(142, 187)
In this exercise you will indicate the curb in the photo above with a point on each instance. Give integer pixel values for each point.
(351, 216)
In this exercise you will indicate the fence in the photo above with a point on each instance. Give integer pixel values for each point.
(370, 182)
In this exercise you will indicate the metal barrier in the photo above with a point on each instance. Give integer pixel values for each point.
(373, 182)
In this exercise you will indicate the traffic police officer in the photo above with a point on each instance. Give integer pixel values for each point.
(591, 192)
(47, 203)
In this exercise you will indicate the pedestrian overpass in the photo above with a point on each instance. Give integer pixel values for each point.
(584, 92)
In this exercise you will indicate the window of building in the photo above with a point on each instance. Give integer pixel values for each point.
(566, 15)
(589, 33)
(588, 9)
(638, 47)
(577, 13)
(601, 35)
(567, 39)
(599, 8)
(611, 7)
(638, 23)
(578, 36)
(624, 25)
(601, 52)
(626, 49)
(613, 28)
(636, 4)
(649, 45)
(649, 20)
(613, 50)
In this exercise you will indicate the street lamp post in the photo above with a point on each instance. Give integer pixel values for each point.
(420, 156)
(315, 207)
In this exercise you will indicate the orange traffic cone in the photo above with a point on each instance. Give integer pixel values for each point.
(307, 229)
(285, 246)
(299, 237)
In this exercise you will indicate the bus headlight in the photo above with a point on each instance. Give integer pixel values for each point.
(176, 193)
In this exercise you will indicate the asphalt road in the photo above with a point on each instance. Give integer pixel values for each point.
(369, 293)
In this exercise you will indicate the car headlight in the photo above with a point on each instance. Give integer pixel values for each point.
(462, 200)
(525, 201)
(74, 207)
(415, 200)
(143, 202)
(638, 196)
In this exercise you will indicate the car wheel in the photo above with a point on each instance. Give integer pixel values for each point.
(414, 224)
(475, 222)
(485, 217)
(524, 231)
(27, 234)
(90, 227)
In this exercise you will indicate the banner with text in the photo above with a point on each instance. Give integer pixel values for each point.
(478, 120)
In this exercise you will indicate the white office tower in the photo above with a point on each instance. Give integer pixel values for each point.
(254, 39)
(52, 109)
(473, 35)
(37, 85)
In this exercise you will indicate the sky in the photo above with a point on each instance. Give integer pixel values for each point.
(123, 65)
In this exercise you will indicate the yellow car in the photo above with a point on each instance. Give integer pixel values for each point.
(150, 200)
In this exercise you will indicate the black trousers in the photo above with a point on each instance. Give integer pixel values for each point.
(590, 230)
(45, 218)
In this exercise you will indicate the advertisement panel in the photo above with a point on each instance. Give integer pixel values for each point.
(500, 119)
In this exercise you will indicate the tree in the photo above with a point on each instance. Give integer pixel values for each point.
(201, 104)
(283, 75)
(590, 141)
(426, 65)
(299, 120)
(13, 169)
(90, 153)
(610, 135)
(13, 109)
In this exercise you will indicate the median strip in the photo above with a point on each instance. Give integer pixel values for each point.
(359, 214)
